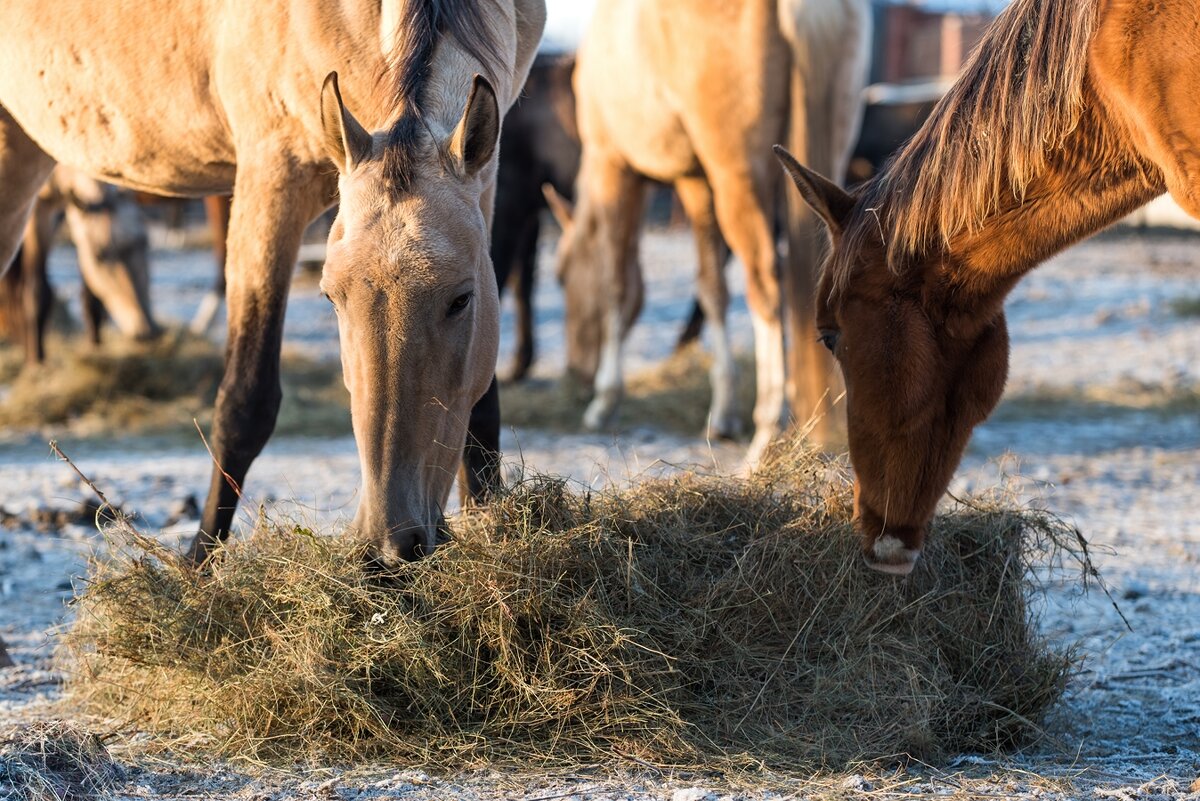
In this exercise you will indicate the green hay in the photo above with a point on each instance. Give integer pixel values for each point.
(684, 621)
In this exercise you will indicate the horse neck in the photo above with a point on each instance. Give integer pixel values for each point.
(1093, 180)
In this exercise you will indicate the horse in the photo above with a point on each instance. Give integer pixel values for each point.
(539, 145)
(191, 103)
(217, 209)
(1069, 115)
(692, 93)
(113, 253)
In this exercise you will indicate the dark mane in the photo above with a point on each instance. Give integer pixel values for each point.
(423, 24)
(1019, 97)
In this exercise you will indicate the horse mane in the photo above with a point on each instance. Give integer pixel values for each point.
(423, 24)
(1020, 95)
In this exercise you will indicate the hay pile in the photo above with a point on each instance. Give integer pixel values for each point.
(54, 762)
(681, 621)
(673, 395)
(154, 387)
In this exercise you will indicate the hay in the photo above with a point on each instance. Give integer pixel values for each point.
(54, 762)
(156, 387)
(673, 395)
(685, 621)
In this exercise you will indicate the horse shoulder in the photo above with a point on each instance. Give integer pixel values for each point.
(1147, 76)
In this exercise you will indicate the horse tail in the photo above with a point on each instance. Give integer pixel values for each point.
(830, 44)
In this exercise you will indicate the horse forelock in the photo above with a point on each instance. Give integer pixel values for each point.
(423, 25)
(1019, 97)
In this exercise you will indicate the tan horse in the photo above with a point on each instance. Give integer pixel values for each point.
(112, 249)
(217, 97)
(1070, 114)
(693, 92)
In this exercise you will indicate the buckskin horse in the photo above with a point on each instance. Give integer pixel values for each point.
(192, 102)
(693, 92)
(113, 253)
(1069, 115)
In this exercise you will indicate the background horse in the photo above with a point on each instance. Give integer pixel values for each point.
(113, 253)
(692, 93)
(1069, 115)
(539, 145)
(409, 149)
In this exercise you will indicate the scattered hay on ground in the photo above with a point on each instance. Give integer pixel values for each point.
(1121, 399)
(673, 395)
(55, 762)
(684, 621)
(157, 387)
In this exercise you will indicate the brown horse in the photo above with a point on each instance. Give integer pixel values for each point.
(113, 253)
(691, 92)
(540, 145)
(192, 103)
(1069, 115)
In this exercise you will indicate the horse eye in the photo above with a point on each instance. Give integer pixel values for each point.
(828, 338)
(459, 303)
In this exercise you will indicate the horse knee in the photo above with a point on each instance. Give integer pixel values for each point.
(245, 416)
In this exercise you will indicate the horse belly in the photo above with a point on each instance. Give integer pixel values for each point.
(131, 108)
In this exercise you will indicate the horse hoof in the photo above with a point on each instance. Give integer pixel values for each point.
(728, 430)
(889, 555)
(597, 417)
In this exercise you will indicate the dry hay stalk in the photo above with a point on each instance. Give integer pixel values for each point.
(54, 762)
(678, 621)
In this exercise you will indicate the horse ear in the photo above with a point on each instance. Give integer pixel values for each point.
(560, 207)
(478, 132)
(826, 198)
(346, 141)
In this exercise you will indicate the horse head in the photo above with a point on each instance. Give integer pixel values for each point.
(408, 274)
(924, 363)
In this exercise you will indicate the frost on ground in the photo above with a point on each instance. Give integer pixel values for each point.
(1100, 426)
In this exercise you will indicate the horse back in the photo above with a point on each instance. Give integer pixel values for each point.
(121, 90)
(645, 92)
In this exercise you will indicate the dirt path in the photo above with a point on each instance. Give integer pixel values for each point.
(1100, 427)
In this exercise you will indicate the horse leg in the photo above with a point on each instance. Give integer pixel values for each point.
(24, 167)
(824, 126)
(36, 296)
(523, 284)
(93, 314)
(621, 217)
(713, 296)
(745, 212)
(5, 659)
(217, 208)
(265, 229)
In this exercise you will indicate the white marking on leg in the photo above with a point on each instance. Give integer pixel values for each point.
(206, 314)
(770, 405)
(722, 416)
(610, 384)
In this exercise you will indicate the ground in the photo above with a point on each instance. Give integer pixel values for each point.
(1099, 425)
